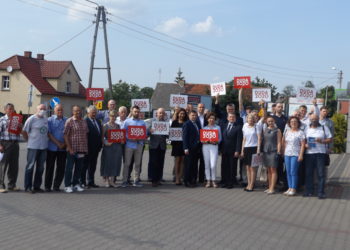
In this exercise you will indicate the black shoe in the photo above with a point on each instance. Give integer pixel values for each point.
(39, 190)
(154, 184)
(223, 186)
(56, 189)
(244, 184)
(93, 185)
(48, 190)
(229, 186)
(307, 195)
(29, 191)
(322, 196)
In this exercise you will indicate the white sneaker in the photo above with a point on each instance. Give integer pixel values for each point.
(78, 188)
(68, 190)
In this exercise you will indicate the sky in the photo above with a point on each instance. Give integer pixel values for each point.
(286, 42)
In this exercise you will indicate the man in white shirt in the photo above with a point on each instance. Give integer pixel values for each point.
(35, 132)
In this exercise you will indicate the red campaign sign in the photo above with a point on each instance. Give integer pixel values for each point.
(94, 94)
(116, 135)
(137, 132)
(15, 124)
(209, 135)
(242, 82)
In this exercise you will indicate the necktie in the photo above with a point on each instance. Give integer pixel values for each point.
(96, 125)
(229, 127)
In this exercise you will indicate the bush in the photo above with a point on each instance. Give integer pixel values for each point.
(340, 129)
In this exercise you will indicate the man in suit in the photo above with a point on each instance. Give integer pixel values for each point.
(230, 109)
(94, 147)
(191, 146)
(201, 119)
(230, 147)
(157, 148)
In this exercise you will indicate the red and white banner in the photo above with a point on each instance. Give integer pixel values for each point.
(117, 135)
(306, 94)
(178, 101)
(15, 125)
(218, 88)
(175, 134)
(137, 132)
(143, 104)
(209, 135)
(94, 94)
(160, 128)
(261, 94)
(242, 82)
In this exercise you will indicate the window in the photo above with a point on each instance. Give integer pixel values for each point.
(68, 72)
(68, 87)
(5, 83)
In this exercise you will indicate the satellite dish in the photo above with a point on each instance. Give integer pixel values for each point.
(9, 69)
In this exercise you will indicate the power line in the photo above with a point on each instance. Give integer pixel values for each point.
(52, 10)
(64, 43)
(68, 7)
(82, 4)
(211, 56)
(214, 61)
(216, 51)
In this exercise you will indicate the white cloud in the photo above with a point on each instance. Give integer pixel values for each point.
(206, 26)
(176, 26)
(179, 27)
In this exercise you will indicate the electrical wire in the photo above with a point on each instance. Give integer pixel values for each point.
(52, 10)
(64, 43)
(68, 7)
(82, 4)
(216, 51)
(211, 56)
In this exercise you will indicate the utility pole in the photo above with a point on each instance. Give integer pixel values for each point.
(101, 12)
(340, 78)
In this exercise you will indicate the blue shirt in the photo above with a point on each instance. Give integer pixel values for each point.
(56, 128)
(103, 115)
(133, 122)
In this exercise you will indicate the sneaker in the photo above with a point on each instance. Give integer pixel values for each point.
(291, 193)
(124, 184)
(3, 190)
(78, 188)
(68, 190)
(14, 189)
(137, 184)
(322, 196)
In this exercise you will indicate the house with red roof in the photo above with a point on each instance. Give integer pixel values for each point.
(45, 79)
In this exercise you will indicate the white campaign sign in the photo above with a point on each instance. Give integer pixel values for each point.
(178, 100)
(261, 94)
(218, 88)
(167, 114)
(306, 94)
(175, 134)
(160, 128)
(143, 104)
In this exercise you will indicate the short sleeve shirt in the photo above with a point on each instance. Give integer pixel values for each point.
(77, 134)
(37, 128)
(251, 135)
(293, 142)
(321, 132)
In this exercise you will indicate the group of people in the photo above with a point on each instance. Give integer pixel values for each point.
(290, 148)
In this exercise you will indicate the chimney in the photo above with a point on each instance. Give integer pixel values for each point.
(40, 56)
(28, 54)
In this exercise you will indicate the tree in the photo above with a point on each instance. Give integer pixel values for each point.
(289, 91)
(266, 84)
(179, 78)
(340, 127)
(308, 84)
(330, 96)
(123, 92)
